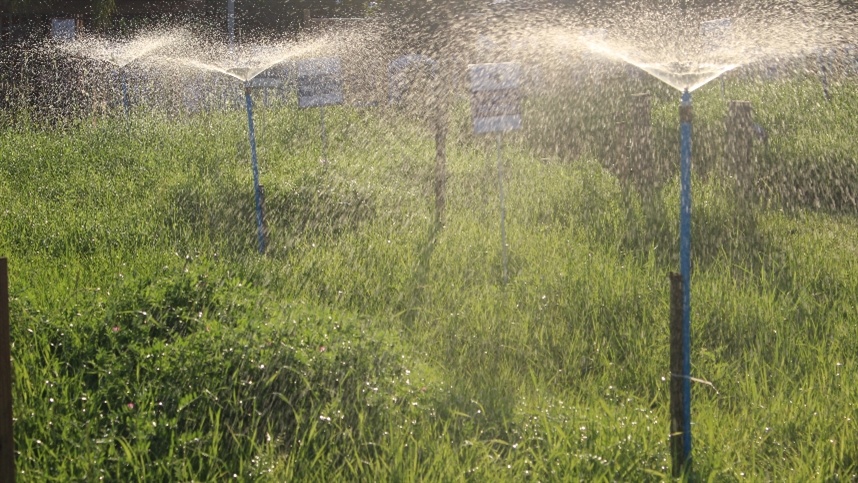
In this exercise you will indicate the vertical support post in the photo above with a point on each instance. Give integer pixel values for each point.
(324, 135)
(440, 169)
(265, 231)
(685, 118)
(256, 187)
(739, 144)
(124, 80)
(677, 416)
(7, 442)
(504, 252)
(823, 71)
(620, 148)
(230, 22)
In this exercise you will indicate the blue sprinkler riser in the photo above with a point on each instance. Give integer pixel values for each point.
(256, 189)
(685, 262)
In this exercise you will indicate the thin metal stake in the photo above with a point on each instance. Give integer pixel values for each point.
(7, 442)
(685, 115)
(502, 210)
(324, 135)
(677, 437)
(824, 71)
(256, 188)
(230, 22)
(124, 81)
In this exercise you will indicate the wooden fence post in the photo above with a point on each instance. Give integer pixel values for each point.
(7, 442)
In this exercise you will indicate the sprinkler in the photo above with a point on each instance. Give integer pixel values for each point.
(257, 190)
(685, 119)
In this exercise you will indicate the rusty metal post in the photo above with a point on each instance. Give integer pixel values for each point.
(7, 442)
(677, 414)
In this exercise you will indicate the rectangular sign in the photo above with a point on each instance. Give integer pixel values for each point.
(495, 97)
(63, 28)
(320, 82)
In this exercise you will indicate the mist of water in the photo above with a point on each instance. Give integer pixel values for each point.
(120, 53)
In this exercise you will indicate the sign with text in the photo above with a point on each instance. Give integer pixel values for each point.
(320, 82)
(495, 97)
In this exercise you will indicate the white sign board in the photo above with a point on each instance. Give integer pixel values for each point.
(402, 72)
(495, 97)
(715, 34)
(320, 82)
(63, 28)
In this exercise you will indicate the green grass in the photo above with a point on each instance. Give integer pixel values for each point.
(151, 342)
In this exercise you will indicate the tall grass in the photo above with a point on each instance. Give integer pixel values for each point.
(151, 342)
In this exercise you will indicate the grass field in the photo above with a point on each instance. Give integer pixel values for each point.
(151, 342)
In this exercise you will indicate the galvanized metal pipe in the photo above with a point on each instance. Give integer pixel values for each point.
(256, 188)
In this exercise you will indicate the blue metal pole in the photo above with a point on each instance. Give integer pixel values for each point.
(685, 115)
(256, 189)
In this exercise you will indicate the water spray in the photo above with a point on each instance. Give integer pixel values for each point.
(120, 54)
(716, 34)
(257, 189)
(123, 79)
(320, 84)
